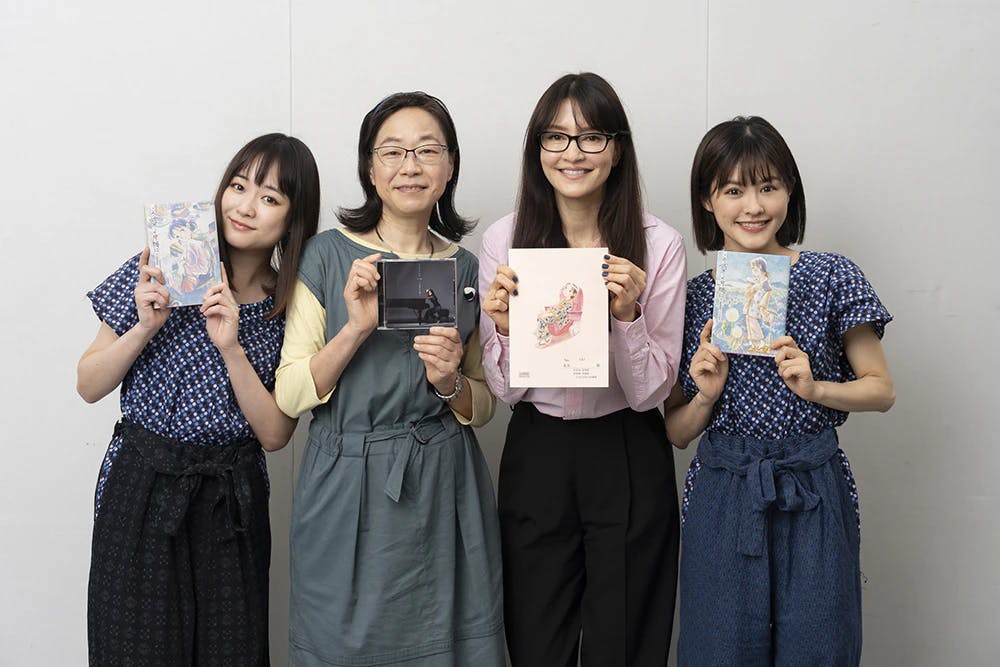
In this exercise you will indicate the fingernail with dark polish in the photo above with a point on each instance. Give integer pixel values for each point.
(604, 273)
(514, 292)
(604, 266)
(607, 257)
(514, 279)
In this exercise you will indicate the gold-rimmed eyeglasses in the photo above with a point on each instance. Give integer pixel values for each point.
(394, 156)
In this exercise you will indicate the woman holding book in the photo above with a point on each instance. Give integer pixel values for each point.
(770, 568)
(588, 508)
(395, 546)
(181, 548)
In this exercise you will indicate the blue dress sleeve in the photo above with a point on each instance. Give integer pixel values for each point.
(114, 299)
(854, 300)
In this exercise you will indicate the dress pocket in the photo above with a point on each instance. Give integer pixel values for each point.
(852, 488)
(689, 480)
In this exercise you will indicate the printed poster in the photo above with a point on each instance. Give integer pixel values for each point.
(559, 319)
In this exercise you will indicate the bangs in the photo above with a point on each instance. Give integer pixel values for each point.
(594, 104)
(752, 161)
(279, 156)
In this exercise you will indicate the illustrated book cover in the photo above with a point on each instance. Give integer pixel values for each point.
(184, 245)
(751, 301)
(559, 319)
(417, 293)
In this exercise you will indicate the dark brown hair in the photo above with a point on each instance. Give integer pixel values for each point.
(445, 220)
(752, 146)
(537, 223)
(298, 179)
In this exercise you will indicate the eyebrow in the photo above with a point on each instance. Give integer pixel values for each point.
(564, 130)
(424, 138)
(770, 179)
(264, 185)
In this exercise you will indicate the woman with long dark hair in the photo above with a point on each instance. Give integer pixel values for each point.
(395, 544)
(588, 508)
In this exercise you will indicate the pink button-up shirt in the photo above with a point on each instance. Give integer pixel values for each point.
(644, 353)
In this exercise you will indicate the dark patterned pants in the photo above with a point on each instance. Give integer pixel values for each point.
(181, 549)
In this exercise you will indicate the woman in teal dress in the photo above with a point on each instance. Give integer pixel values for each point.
(395, 548)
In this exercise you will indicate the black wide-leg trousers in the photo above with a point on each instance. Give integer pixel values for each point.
(590, 528)
(180, 556)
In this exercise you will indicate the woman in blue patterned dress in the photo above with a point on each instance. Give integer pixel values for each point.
(181, 547)
(770, 548)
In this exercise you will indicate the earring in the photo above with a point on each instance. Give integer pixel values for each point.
(276, 257)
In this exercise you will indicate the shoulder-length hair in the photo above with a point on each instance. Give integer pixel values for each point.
(298, 179)
(619, 221)
(445, 220)
(753, 147)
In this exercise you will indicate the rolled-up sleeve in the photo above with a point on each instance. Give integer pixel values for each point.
(305, 335)
(483, 402)
(647, 350)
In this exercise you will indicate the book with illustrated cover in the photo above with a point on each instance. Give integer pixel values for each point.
(559, 319)
(751, 301)
(184, 245)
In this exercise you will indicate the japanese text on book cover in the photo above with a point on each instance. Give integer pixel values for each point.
(184, 245)
(751, 300)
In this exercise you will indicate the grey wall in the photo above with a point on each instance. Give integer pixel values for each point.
(889, 107)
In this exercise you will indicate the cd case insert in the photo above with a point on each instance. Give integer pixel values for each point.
(417, 293)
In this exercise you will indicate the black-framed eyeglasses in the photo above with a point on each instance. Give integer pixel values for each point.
(589, 142)
(394, 156)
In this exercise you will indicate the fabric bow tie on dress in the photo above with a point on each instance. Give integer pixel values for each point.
(768, 480)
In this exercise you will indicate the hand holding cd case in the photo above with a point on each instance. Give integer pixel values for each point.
(184, 245)
(417, 293)
(751, 302)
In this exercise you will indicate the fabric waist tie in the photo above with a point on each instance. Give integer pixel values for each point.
(182, 467)
(769, 478)
(413, 434)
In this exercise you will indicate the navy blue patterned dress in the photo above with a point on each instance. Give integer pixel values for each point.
(771, 524)
(181, 546)
(178, 387)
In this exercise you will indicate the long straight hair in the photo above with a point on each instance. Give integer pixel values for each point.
(445, 220)
(298, 179)
(619, 221)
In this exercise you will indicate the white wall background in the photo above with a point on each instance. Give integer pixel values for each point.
(890, 108)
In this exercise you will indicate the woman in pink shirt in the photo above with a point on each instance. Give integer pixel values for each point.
(588, 504)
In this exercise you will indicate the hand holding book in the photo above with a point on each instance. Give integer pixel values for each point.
(222, 315)
(151, 298)
(794, 368)
(709, 368)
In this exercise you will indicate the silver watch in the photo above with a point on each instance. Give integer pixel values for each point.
(448, 398)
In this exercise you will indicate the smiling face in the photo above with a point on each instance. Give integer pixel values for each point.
(255, 216)
(750, 215)
(573, 174)
(411, 189)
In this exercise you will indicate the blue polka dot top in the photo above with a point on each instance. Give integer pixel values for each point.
(828, 294)
(178, 387)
